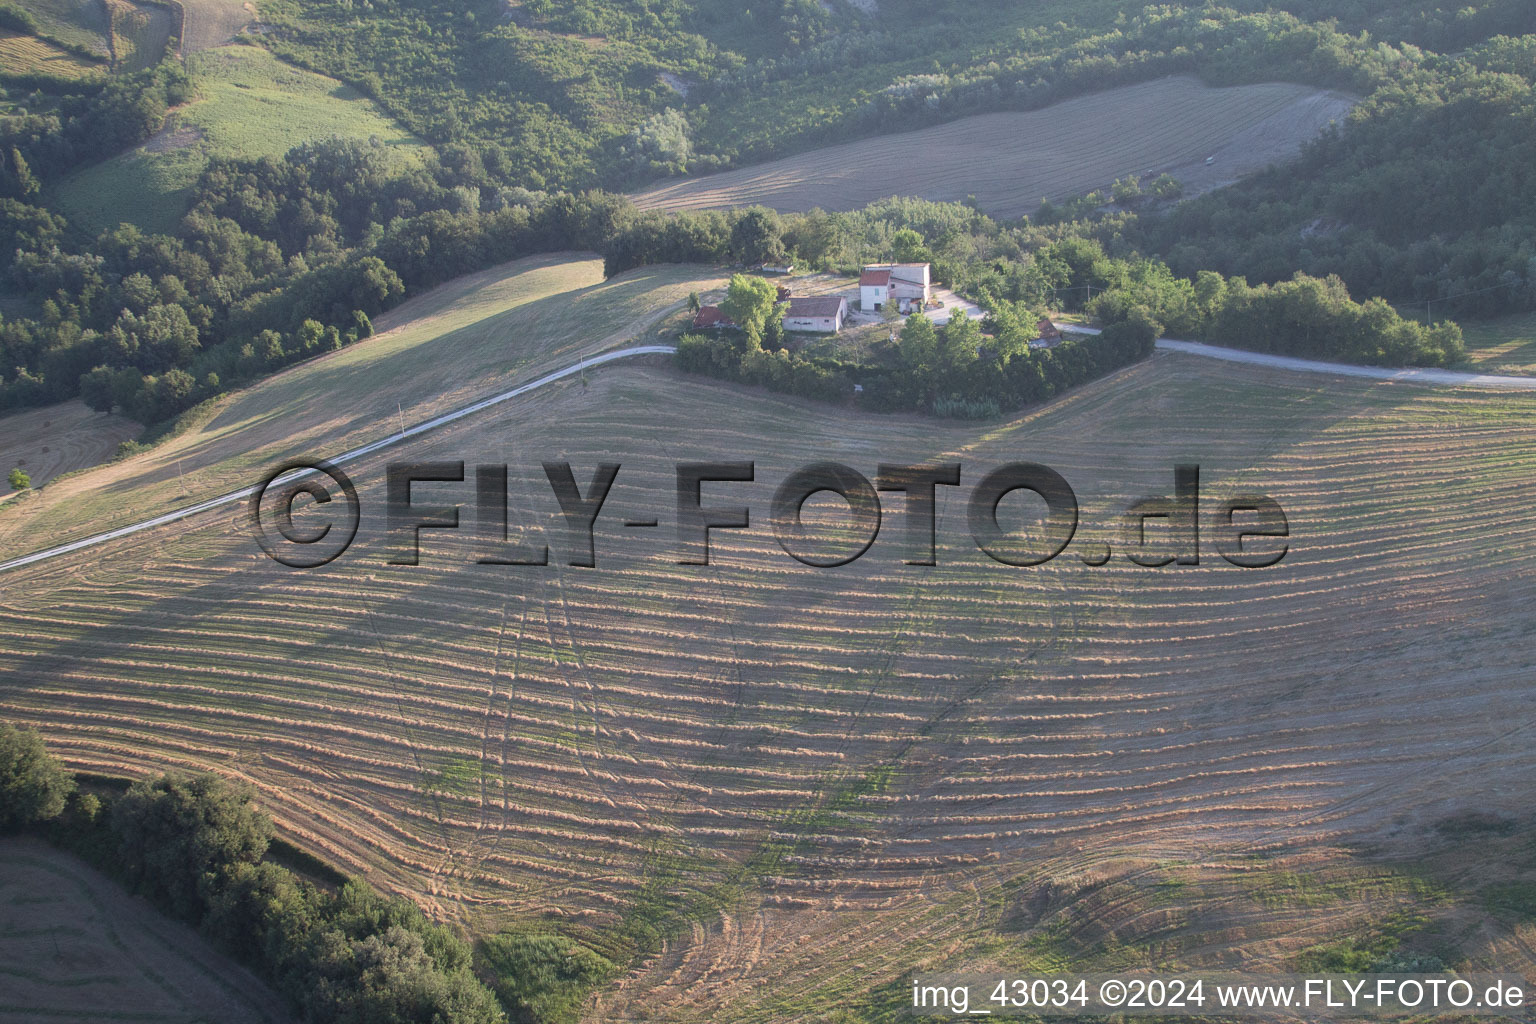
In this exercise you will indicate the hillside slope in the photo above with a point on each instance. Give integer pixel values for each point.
(470, 338)
(251, 105)
(809, 781)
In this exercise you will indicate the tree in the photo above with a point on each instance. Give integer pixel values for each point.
(173, 393)
(33, 784)
(260, 913)
(661, 145)
(96, 388)
(25, 184)
(757, 237)
(919, 343)
(391, 977)
(175, 830)
(19, 479)
(909, 247)
(160, 339)
(749, 301)
(962, 337)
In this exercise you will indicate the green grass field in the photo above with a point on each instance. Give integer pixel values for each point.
(252, 105)
(1504, 345)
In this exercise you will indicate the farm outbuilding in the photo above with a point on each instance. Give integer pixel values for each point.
(823, 314)
(709, 318)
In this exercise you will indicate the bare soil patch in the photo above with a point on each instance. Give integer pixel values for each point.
(75, 946)
(211, 23)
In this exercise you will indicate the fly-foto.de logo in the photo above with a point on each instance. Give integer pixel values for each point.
(298, 520)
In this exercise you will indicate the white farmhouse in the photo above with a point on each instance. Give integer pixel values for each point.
(907, 284)
(823, 314)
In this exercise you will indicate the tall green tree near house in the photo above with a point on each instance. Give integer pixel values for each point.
(908, 247)
(750, 301)
(962, 339)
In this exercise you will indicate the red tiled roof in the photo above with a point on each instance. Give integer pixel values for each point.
(875, 277)
(710, 316)
(815, 305)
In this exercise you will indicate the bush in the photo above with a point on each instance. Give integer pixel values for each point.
(19, 480)
(175, 830)
(966, 409)
(18, 20)
(372, 959)
(33, 784)
(542, 979)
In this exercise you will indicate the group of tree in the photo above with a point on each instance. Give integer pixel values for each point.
(74, 122)
(965, 368)
(277, 261)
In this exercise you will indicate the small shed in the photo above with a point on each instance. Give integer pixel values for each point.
(709, 318)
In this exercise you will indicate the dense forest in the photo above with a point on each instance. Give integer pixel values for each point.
(1425, 197)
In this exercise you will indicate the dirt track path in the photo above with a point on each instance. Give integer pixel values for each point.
(1452, 378)
(1408, 375)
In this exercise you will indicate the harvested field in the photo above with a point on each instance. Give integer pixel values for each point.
(60, 439)
(211, 23)
(817, 780)
(1503, 345)
(141, 33)
(1010, 161)
(75, 946)
(26, 55)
